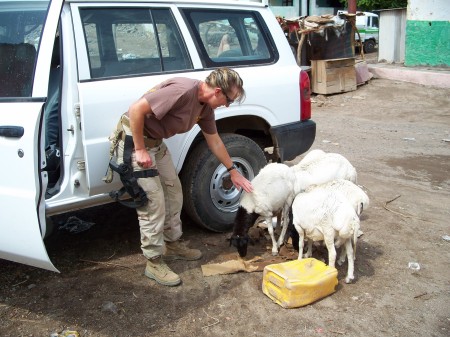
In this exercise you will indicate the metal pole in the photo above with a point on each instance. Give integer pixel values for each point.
(352, 10)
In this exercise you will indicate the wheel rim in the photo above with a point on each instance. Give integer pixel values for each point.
(224, 195)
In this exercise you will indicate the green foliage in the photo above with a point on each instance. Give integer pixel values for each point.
(370, 5)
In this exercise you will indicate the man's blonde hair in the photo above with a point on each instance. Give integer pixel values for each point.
(225, 79)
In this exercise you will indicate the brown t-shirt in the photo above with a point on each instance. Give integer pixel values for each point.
(176, 109)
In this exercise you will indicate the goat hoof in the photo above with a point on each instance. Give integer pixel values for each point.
(274, 253)
(349, 279)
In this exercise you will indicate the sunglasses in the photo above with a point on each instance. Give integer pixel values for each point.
(229, 100)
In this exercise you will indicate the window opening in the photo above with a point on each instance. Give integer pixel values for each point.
(230, 38)
(133, 41)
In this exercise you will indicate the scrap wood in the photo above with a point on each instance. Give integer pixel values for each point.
(305, 25)
(322, 19)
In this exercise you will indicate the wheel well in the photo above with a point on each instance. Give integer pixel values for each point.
(253, 127)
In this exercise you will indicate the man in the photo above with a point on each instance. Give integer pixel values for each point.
(173, 107)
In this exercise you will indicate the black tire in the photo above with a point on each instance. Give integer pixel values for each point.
(210, 199)
(369, 46)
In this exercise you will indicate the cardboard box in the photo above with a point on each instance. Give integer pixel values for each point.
(297, 283)
(333, 76)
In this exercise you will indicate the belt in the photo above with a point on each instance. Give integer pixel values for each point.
(148, 141)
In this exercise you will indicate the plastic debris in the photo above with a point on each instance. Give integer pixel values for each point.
(75, 225)
(110, 306)
(409, 138)
(69, 334)
(446, 238)
(446, 140)
(414, 266)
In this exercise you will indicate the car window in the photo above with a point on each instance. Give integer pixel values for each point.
(228, 37)
(133, 41)
(20, 32)
(374, 22)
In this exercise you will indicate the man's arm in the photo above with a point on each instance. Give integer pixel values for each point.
(137, 112)
(217, 147)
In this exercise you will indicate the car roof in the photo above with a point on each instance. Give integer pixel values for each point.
(187, 2)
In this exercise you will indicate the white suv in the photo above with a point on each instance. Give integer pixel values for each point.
(69, 69)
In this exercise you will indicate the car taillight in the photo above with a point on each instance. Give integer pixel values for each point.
(305, 96)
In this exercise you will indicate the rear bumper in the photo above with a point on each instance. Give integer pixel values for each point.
(293, 139)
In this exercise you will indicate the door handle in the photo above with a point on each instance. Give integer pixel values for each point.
(11, 131)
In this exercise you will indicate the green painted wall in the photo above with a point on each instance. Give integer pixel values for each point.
(427, 43)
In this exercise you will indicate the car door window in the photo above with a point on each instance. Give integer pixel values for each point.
(230, 37)
(20, 33)
(133, 41)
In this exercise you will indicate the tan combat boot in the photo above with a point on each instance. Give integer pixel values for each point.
(177, 250)
(159, 271)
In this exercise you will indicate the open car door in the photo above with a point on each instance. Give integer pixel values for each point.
(21, 186)
(23, 179)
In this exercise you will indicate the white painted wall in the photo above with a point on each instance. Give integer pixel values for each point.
(429, 10)
(391, 47)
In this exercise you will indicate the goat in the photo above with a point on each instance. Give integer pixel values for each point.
(329, 216)
(311, 156)
(322, 168)
(355, 194)
(274, 189)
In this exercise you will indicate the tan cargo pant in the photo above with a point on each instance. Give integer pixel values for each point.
(159, 220)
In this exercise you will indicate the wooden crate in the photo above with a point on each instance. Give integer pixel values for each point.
(333, 76)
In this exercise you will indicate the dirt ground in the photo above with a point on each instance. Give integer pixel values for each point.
(396, 135)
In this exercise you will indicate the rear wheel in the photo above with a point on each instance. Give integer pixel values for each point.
(369, 46)
(210, 198)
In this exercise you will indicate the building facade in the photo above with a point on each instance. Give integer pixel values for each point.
(428, 33)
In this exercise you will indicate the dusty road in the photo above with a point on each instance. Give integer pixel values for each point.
(394, 134)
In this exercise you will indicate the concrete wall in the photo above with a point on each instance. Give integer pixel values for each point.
(277, 9)
(287, 12)
(299, 8)
(391, 46)
(428, 33)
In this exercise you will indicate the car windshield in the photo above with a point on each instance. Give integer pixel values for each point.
(21, 24)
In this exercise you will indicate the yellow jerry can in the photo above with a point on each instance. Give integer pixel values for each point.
(297, 283)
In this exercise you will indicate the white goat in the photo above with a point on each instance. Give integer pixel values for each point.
(322, 168)
(355, 194)
(352, 192)
(274, 189)
(311, 156)
(273, 192)
(329, 216)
